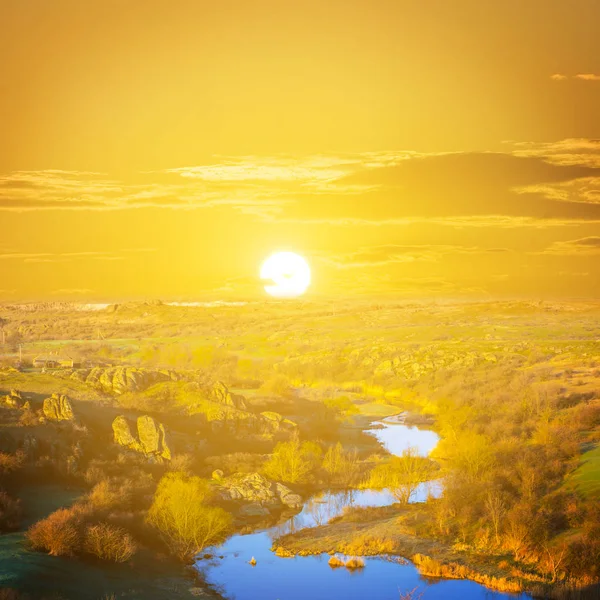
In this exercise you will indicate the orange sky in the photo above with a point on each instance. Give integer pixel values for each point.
(162, 149)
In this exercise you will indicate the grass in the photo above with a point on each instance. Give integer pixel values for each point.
(586, 479)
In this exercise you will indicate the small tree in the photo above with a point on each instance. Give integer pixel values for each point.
(182, 516)
(342, 466)
(402, 474)
(293, 461)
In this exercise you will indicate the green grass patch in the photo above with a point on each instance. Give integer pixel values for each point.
(586, 479)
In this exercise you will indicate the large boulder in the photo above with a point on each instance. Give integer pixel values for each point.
(122, 434)
(257, 490)
(151, 438)
(58, 408)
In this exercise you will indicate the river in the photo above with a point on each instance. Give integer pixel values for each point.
(310, 577)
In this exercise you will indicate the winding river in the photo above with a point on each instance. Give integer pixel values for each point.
(310, 577)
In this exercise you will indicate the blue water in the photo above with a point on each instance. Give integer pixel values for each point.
(310, 577)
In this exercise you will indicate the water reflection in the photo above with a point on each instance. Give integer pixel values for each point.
(298, 578)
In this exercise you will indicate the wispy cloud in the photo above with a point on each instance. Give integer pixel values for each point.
(384, 255)
(584, 246)
(57, 257)
(72, 292)
(580, 76)
(588, 76)
(371, 188)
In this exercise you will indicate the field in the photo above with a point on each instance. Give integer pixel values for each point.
(279, 394)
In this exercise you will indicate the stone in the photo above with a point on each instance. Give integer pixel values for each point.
(148, 434)
(217, 474)
(58, 408)
(122, 432)
(254, 510)
(151, 438)
(257, 489)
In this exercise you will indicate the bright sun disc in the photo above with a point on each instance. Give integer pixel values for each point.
(289, 274)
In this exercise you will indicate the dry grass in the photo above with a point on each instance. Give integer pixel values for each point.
(432, 568)
(355, 563)
(335, 562)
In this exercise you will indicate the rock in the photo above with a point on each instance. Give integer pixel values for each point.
(58, 408)
(119, 380)
(276, 422)
(256, 489)
(151, 438)
(287, 497)
(13, 400)
(148, 434)
(220, 393)
(122, 433)
(254, 510)
(217, 474)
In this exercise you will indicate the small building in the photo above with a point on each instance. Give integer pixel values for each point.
(53, 361)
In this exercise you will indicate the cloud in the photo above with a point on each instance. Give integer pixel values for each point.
(72, 292)
(588, 76)
(580, 76)
(525, 186)
(384, 255)
(584, 246)
(58, 257)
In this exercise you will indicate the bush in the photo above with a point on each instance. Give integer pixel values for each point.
(10, 462)
(355, 563)
(335, 562)
(58, 534)
(10, 512)
(108, 542)
(180, 513)
(105, 496)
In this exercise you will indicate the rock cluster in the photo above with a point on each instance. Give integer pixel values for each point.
(58, 408)
(277, 422)
(12, 400)
(151, 438)
(261, 493)
(119, 380)
(220, 393)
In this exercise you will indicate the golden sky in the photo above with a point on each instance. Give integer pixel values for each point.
(163, 148)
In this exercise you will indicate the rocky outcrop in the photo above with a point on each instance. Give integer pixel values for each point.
(119, 380)
(276, 422)
(256, 489)
(12, 400)
(58, 408)
(220, 393)
(150, 440)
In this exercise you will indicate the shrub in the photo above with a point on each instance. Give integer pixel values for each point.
(108, 542)
(58, 534)
(335, 562)
(105, 496)
(10, 462)
(10, 512)
(182, 516)
(355, 563)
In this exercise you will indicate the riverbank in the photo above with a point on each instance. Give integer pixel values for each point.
(393, 530)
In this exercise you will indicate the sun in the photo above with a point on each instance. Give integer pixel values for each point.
(289, 273)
